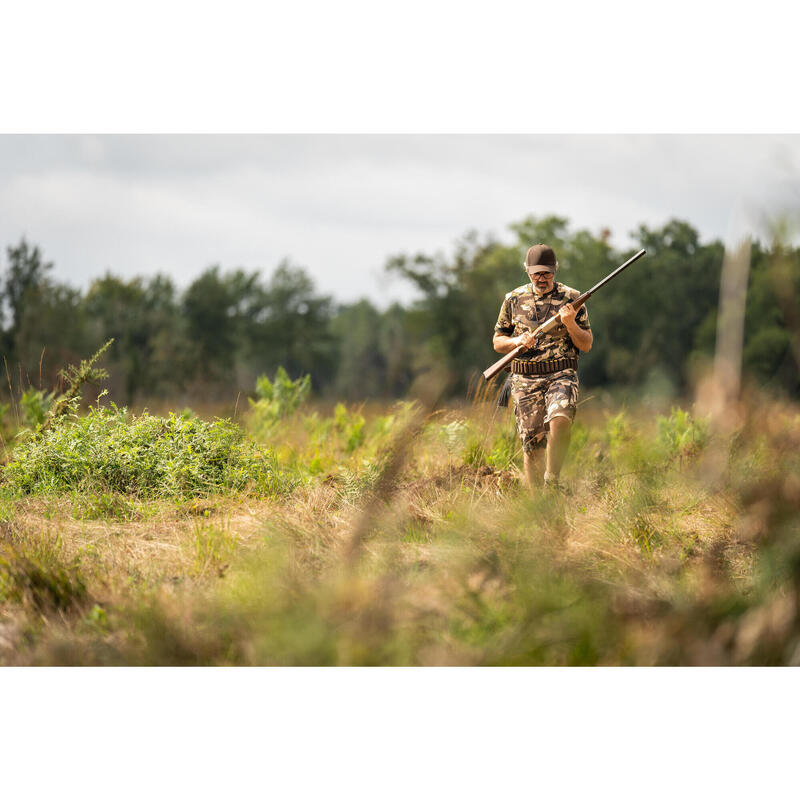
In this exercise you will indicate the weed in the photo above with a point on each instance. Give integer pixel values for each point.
(97, 618)
(276, 400)
(357, 484)
(106, 505)
(75, 378)
(680, 434)
(214, 546)
(350, 426)
(197, 508)
(644, 533)
(7, 509)
(147, 456)
(417, 532)
(37, 577)
(453, 435)
(502, 451)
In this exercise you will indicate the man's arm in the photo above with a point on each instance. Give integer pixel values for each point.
(502, 341)
(505, 344)
(581, 338)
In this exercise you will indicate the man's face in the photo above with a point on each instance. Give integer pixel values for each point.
(542, 281)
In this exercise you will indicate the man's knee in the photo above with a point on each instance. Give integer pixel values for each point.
(534, 441)
(560, 425)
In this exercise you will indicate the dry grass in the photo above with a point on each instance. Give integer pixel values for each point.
(456, 563)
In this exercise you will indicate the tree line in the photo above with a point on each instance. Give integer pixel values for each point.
(655, 323)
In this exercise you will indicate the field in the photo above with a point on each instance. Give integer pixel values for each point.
(398, 535)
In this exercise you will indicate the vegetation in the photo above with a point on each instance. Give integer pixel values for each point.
(396, 535)
(109, 450)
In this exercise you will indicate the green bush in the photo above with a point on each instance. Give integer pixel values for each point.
(500, 450)
(109, 451)
(277, 399)
(679, 433)
(350, 425)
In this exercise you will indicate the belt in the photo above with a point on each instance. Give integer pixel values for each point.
(543, 367)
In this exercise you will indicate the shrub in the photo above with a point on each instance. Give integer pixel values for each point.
(148, 456)
(679, 433)
(277, 399)
(350, 425)
(501, 449)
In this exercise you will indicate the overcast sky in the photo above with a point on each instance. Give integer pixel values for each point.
(341, 205)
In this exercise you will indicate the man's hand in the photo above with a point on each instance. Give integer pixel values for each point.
(567, 314)
(505, 344)
(580, 338)
(527, 340)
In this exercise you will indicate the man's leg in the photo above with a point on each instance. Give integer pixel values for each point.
(534, 467)
(529, 409)
(561, 400)
(557, 444)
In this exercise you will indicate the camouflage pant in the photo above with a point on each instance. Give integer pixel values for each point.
(537, 399)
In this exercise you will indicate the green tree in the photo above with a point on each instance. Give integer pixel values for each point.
(288, 325)
(647, 320)
(51, 331)
(241, 327)
(454, 318)
(772, 319)
(361, 365)
(44, 327)
(25, 276)
(150, 355)
(214, 306)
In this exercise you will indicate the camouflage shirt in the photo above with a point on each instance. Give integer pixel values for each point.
(523, 311)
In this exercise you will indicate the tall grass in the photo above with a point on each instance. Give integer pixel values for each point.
(410, 538)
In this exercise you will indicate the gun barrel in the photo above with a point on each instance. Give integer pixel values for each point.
(586, 295)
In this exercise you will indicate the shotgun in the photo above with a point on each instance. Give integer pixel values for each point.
(551, 323)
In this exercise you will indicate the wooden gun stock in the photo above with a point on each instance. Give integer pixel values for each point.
(551, 323)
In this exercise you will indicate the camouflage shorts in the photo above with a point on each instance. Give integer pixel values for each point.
(538, 399)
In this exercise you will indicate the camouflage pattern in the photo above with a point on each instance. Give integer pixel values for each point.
(523, 311)
(537, 399)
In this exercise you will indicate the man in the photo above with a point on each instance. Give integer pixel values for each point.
(544, 379)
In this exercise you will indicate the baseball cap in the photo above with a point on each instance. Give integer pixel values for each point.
(543, 257)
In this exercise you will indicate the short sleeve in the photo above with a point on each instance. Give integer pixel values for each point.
(582, 318)
(505, 322)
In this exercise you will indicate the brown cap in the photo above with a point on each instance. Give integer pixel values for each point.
(542, 256)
